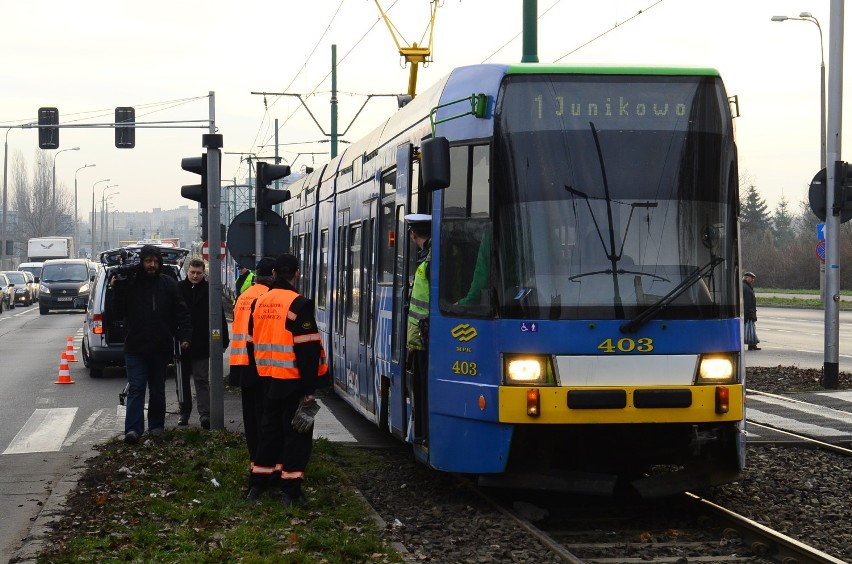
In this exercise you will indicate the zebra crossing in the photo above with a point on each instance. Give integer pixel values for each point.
(826, 416)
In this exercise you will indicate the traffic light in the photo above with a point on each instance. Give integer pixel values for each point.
(48, 137)
(842, 192)
(197, 192)
(266, 197)
(125, 137)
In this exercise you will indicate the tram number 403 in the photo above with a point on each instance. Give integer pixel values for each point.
(466, 368)
(627, 345)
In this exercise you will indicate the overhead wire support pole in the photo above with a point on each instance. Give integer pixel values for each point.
(414, 54)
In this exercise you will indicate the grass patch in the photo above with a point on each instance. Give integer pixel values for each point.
(796, 302)
(788, 291)
(157, 502)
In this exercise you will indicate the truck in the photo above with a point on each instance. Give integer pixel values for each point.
(40, 249)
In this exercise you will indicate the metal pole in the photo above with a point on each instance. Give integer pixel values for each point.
(530, 54)
(333, 101)
(832, 219)
(5, 206)
(213, 143)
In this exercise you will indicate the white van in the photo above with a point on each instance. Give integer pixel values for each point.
(33, 268)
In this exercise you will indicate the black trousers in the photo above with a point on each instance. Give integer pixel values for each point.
(252, 400)
(283, 453)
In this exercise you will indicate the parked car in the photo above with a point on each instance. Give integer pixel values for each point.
(65, 284)
(103, 334)
(7, 300)
(21, 289)
(32, 282)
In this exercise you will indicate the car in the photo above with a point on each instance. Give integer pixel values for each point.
(6, 296)
(21, 289)
(64, 284)
(32, 282)
(103, 335)
(33, 268)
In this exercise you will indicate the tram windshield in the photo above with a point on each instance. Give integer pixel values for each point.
(614, 194)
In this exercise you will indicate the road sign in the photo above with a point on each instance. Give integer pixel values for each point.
(241, 232)
(820, 228)
(820, 250)
(205, 251)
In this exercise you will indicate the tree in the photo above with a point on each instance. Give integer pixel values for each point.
(36, 212)
(754, 215)
(783, 224)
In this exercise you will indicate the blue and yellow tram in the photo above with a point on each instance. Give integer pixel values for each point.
(584, 307)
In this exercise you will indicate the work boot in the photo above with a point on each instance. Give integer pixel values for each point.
(131, 437)
(183, 421)
(253, 494)
(293, 499)
(754, 348)
(205, 422)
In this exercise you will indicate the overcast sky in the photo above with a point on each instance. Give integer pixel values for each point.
(88, 56)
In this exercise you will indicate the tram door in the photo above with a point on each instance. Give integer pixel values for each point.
(366, 324)
(342, 296)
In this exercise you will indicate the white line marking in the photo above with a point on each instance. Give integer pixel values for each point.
(44, 431)
(803, 407)
(793, 425)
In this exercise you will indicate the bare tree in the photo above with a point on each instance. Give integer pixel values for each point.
(38, 215)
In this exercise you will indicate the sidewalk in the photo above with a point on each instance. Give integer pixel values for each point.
(797, 296)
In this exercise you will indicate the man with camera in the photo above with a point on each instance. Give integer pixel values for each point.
(155, 315)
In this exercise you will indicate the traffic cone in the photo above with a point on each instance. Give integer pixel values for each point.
(69, 351)
(64, 375)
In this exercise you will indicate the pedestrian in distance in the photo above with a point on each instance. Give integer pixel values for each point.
(195, 361)
(750, 312)
(242, 365)
(155, 314)
(288, 351)
(420, 233)
(244, 280)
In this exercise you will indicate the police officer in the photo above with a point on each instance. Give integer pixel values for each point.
(420, 232)
(244, 280)
(287, 350)
(243, 369)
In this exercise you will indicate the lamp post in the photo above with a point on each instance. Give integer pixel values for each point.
(93, 215)
(53, 193)
(104, 218)
(76, 233)
(808, 17)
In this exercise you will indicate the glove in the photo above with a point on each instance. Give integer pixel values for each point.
(303, 421)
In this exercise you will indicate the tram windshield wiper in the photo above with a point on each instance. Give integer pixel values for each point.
(619, 271)
(638, 321)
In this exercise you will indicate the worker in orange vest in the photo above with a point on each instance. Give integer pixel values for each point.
(243, 369)
(288, 351)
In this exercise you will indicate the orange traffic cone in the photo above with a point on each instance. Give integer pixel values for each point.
(69, 351)
(64, 375)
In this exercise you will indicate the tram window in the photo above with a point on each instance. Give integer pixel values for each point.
(341, 290)
(387, 244)
(306, 260)
(323, 273)
(353, 305)
(389, 184)
(466, 234)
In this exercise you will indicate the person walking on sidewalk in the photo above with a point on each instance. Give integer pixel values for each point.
(155, 315)
(243, 369)
(750, 312)
(195, 361)
(287, 350)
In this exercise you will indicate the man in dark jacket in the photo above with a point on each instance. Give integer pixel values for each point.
(195, 291)
(750, 311)
(155, 315)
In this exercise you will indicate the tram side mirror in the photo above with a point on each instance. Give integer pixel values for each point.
(435, 163)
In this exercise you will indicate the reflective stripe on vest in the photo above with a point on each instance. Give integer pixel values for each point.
(242, 314)
(419, 306)
(273, 343)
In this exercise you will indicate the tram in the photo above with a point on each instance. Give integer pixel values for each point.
(585, 330)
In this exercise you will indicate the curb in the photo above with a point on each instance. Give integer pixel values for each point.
(51, 512)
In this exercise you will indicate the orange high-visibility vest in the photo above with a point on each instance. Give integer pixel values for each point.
(242, 314)
(273, 343)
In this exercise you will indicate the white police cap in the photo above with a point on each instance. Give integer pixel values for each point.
(413, 218)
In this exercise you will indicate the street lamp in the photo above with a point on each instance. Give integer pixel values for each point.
(76, 234)
(93, 215)
(808, 17)
(53, 195)
(104, 197)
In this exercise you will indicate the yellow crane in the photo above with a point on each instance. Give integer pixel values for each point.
(414, 54)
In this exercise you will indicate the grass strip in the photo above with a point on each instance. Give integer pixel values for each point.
(180, 498)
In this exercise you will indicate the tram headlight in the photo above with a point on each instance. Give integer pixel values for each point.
(717, 369)
(525, 370)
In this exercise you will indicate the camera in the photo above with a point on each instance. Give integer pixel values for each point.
(127, 267)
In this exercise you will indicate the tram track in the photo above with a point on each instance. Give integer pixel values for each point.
(684, 528)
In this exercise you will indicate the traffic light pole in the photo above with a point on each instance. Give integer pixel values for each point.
(213, 143)
(833, 209)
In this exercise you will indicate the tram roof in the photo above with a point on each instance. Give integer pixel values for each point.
(536, 68)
